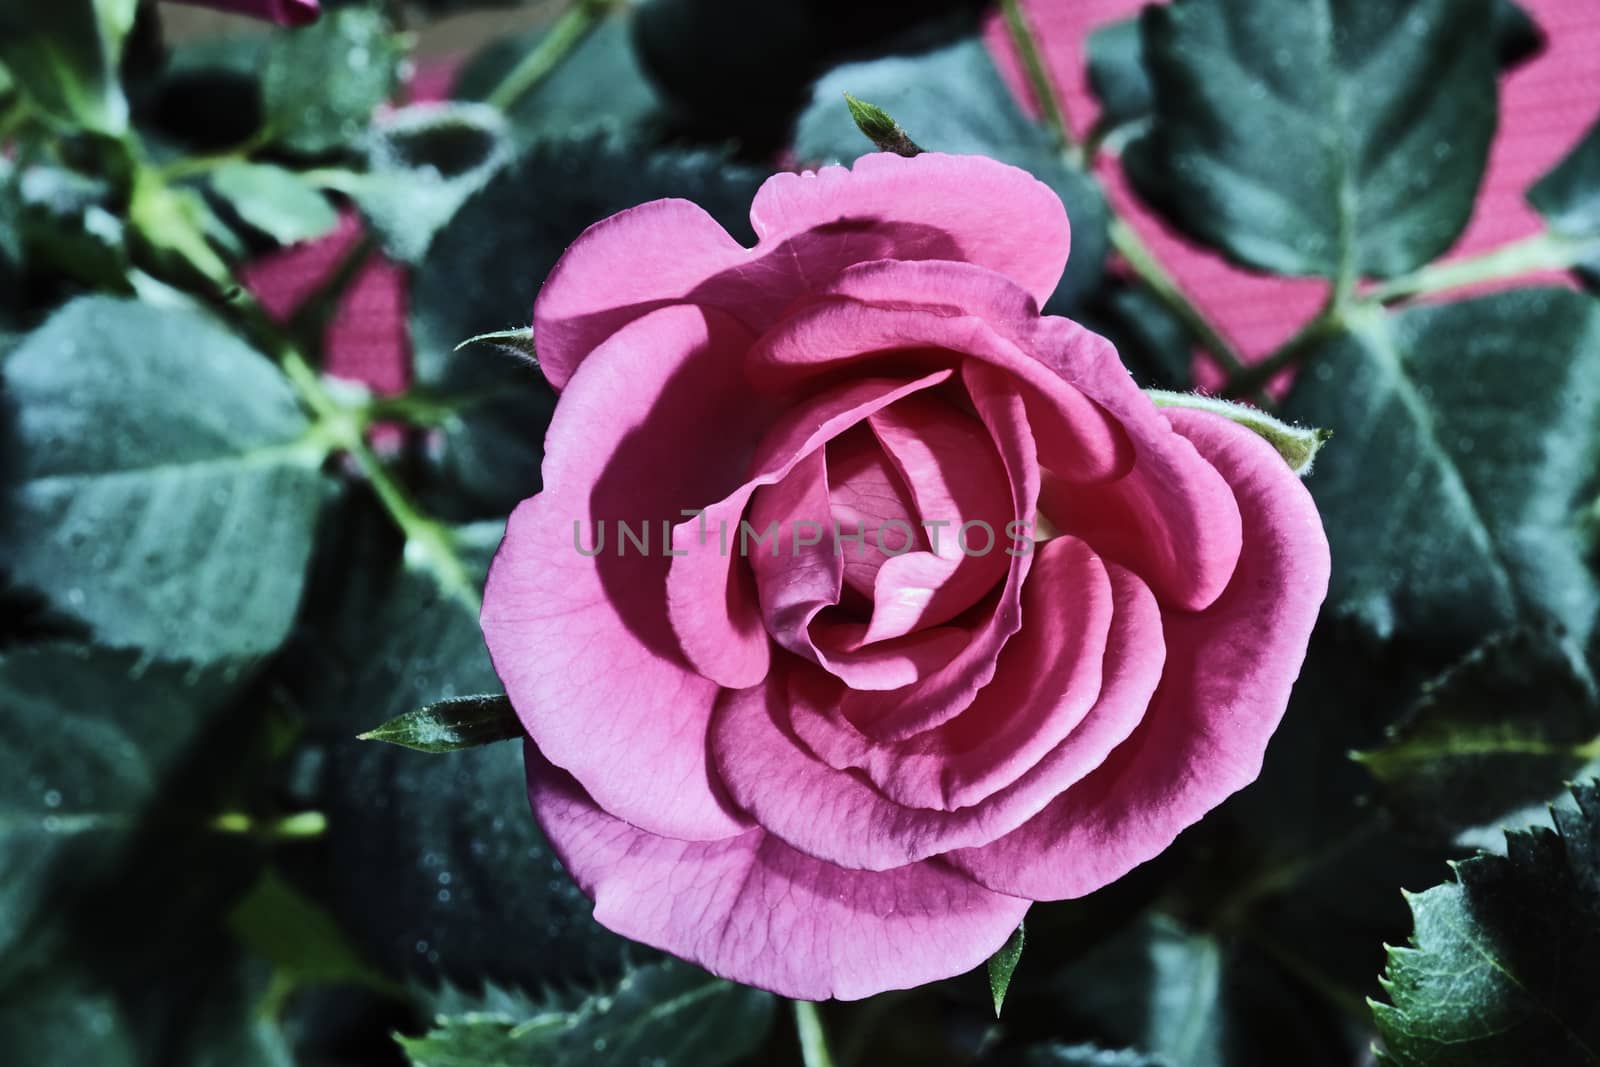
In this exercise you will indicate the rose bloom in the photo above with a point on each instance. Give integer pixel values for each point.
(830, 769)
(283, 12)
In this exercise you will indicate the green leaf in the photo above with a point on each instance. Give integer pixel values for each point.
(879, 127)
(66, 1021)
(667, 1013)
(1089, 1056)
(64, 57)
(87, 741)
(1452, 514)
(1474, 747)
(423, 163)
(1569, 199)
(1152, 342)
(1195, 1000)
(1117, 73)
(1298, 445)
(442, 872)
(276, 201)
(1320, 137)
(162, 486)
(302, 942)
(1120, 81)
(1504, 967)
(954, 101)
(565, 102)
(1003, 964)
(490, 453)
(446, 725)
(70, 223)
(322, 83)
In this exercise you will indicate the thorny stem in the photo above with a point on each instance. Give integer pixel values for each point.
(573, 25)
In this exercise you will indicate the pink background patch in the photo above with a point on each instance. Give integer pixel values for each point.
(1546, 104)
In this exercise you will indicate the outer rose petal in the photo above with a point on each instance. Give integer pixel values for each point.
(283, 12)
(753, 910)
(811, 226)
(584, 645)
(1227, 680)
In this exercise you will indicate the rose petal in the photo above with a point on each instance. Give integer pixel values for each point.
(836, 816)
(1227, 680)
(811, 226)
(584, 645)
(753, 910)
(1134, 490)
(936, 698)
(709, 567)
(955, 477)
(797, 584)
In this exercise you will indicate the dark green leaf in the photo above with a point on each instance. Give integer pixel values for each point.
(1089, 1056)
(64, 56)
(953, 100)
(490, 452)
(598, 85)
(300, 940)
(1117, 73)
(162, 485)
(1003, 964)
(276, 201)
(1298, 445)
(1569, 199)
(441, 870)
(1196, 1000)
(423, 163)
(1328, 137)
(87, 740)
(322, 83)
(1154, 345)
(1118, 77)
(1452, 514)
(1500, 730)
(446, 725)
(69, 223)
(1505, 963)
(65, 1021)
(1516, 35)
(667, 1013)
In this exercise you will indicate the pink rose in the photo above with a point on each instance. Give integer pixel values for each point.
(283, 12)
(851, 765)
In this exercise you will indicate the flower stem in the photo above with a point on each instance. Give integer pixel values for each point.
(429, 543)
(1542, 251)
(813, 1043)
(1044, 90)
(573, 25)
